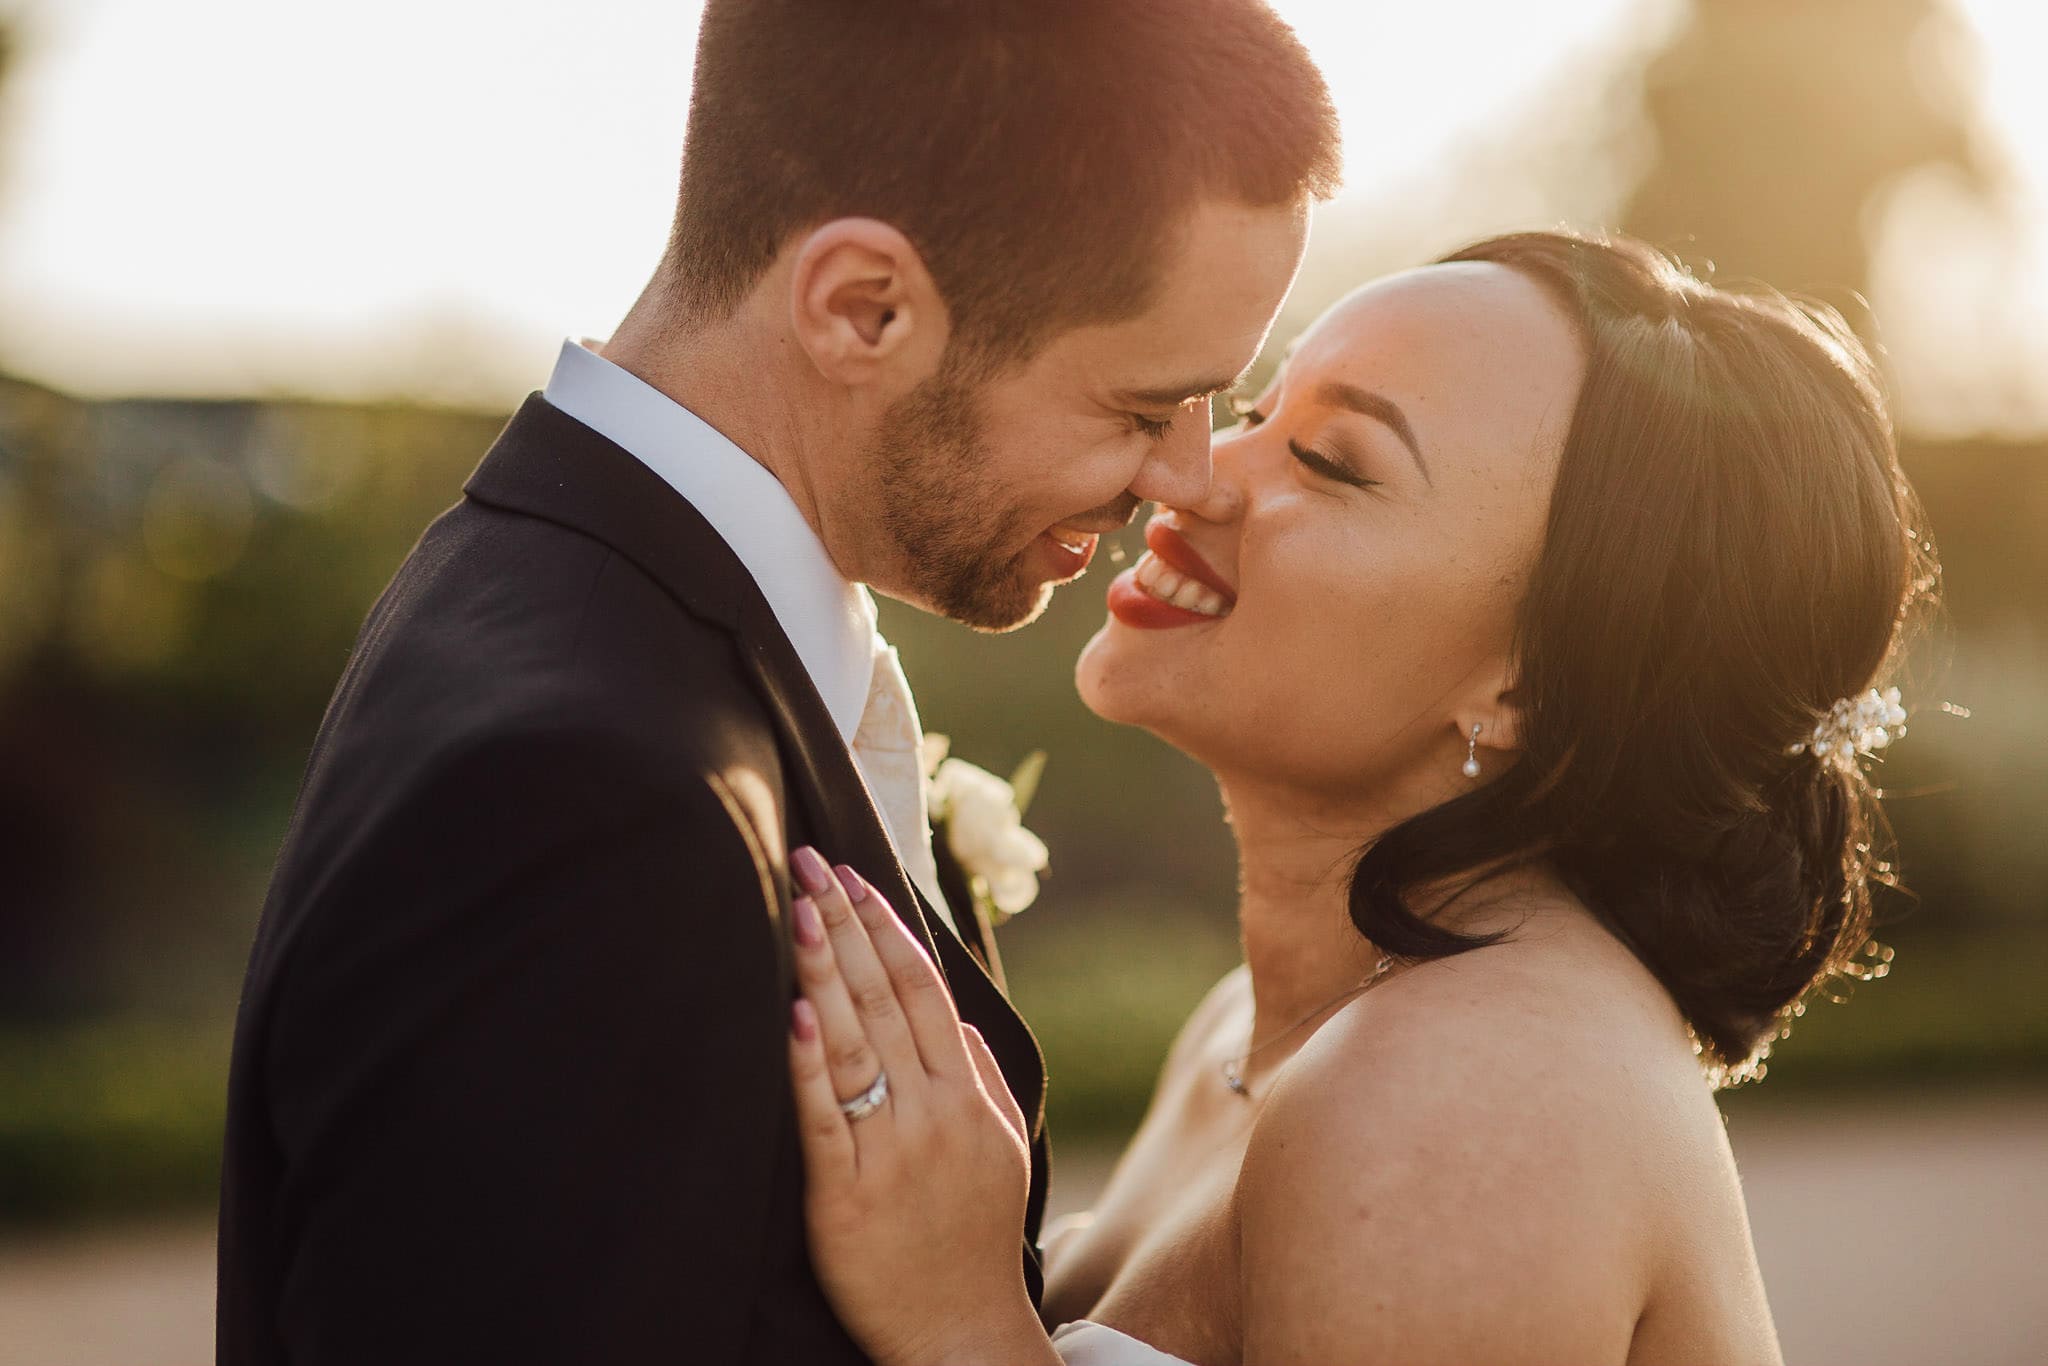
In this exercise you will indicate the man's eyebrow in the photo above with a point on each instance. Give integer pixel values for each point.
(1337, 394)
(1173, 395)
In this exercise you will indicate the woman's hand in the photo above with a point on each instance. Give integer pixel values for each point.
(916, 1207)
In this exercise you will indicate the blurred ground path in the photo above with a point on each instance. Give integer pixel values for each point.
(1912, 1232)
(113, 1297)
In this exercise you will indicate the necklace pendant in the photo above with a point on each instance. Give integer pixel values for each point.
(1235, 1081)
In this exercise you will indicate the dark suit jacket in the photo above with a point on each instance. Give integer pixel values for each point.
(509, 1078)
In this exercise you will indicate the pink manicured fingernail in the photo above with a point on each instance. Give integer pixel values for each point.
(812, 871)
(804, 1020)
(856, 890)
(810, 932)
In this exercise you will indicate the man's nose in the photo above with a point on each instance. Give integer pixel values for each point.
(1176, 471)
(1222, 502)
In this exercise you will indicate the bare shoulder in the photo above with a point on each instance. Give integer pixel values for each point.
(1558, 1023)
(1487, 1120)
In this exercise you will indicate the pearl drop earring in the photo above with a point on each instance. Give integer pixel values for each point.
(1471, 765)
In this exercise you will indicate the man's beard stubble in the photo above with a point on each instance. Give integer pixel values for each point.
(932, 462)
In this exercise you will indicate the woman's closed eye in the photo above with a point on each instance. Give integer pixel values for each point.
(1318, 463)
(1329, 466)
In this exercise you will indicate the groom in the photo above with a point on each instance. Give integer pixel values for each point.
(947, 290)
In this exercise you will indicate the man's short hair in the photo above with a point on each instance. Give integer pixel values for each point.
(1038, 153)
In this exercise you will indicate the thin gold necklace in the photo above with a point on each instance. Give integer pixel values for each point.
(1233, 1074)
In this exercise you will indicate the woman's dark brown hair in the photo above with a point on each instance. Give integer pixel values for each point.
(1731, 547)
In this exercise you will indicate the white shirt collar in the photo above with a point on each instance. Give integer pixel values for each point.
(829, 620)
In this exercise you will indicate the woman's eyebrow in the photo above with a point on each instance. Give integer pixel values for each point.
(1337, 394)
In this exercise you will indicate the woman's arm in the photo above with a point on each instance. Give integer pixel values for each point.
(915, 1207)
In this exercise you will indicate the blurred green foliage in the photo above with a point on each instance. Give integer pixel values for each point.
(114, 1117)
(179, 586)
(180, 583)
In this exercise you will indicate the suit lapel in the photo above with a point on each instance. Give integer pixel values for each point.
(847, 827)
(850, 831)
(548, 465)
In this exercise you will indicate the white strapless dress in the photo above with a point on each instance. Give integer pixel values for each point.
(1082, 1343)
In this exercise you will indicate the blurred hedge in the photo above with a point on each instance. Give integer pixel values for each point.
(125, 1117)
(115, 1117)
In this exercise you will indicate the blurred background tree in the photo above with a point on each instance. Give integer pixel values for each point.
(1783, 132)
(1778, 127)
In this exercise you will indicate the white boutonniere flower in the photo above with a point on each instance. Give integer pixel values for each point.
(981, 818)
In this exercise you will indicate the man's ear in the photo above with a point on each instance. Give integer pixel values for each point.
(864, 308)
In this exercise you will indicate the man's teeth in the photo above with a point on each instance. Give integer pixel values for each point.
(1169, 585)
(1075, 541)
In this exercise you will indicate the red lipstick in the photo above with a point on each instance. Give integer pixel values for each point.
(1135, 607)
(1169, 545)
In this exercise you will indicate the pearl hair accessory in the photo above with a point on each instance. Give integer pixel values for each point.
(1470, 768)
(1862, 724)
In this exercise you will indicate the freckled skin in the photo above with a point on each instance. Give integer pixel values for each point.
(1383, 601)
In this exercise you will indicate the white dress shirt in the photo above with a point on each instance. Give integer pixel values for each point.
(829, 620)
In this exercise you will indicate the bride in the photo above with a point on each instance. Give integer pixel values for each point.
(1531, 628)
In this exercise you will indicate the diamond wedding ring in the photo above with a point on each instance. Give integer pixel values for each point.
(868, 1101)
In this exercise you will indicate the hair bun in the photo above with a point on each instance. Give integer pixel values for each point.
(1727, 546)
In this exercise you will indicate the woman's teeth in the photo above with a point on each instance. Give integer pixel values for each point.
(1169, 585)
